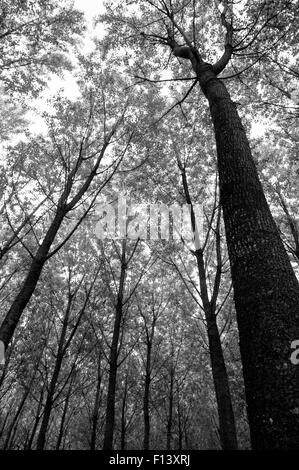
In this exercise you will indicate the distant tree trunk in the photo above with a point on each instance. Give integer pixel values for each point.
(180, 430)
(26, 439)
(123, 417)
(56, 371)
(113, 366)
(5, 420)
(146, 398)
(186, 438)
(147, 381)
(170, 410)
(12, 440)
(36, 420)
(12, 427)
(63, 417)
(110, 409)
(95, 414)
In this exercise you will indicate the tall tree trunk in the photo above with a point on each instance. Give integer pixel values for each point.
(13, 425)
(95, 414)
(13, 315)
(227, 426)
(265, 287)
(63, 417)
(170, 411)
(123, 417)
(36, 420)
(5, 420)
(180, 430)
(12, 440)
(266, 290)
(113, 366)
(56, 371)
(110, 409)
(147, 381)
(146, 397)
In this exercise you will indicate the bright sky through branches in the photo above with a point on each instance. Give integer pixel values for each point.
(91, 8)
(68, 85)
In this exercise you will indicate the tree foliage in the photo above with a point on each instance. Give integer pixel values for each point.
(133, 342)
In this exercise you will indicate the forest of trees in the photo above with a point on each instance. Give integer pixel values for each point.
(131, 341)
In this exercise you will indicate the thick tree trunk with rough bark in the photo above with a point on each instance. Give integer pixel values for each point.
(266, 290)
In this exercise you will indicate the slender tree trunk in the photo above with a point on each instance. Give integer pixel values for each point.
(95, 414)
(56, 371)
(226, 417)
(41, 440)
(12, 427)
(36, 420)
(63, 417)
(113, 366)
(227, 425)
(123, 418)
(186, 439)
(12, 440)
(110, 409)
(265, 287)
(25, 446)
(180, 430)
(5, 420)
(170, 411)
(146, 397)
